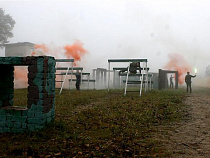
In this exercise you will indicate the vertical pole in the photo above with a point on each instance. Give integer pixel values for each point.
(126, 84)
(72, 64)
(94, 74)
(64, 79)
(142, 80)
(108, 75)
(88, 80)
(61, 79)
(176, 81)
(114, 79)
(81, 76)
(105, 73)
(150, 83)
(146, 85)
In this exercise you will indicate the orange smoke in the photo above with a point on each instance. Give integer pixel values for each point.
(20, 74)
(40, 49)
(75, 51)
(178, 63)
(41, 46)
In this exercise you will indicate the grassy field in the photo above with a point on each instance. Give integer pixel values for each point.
(99, 124)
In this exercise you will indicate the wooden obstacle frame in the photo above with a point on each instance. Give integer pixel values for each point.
(163, 79)
(144, 68)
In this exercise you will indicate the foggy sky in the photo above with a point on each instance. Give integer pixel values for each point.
(117, 28)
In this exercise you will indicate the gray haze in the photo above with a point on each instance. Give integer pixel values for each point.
(117, 28)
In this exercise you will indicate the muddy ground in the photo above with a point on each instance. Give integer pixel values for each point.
(191, 137)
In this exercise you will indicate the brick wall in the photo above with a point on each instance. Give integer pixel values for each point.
(41, 94)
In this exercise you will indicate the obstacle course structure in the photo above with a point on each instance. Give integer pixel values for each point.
(100, 77)
(163, 79)
(131, 71)
(41, 94)
(69, 71)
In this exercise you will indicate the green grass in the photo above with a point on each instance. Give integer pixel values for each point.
(100, 124)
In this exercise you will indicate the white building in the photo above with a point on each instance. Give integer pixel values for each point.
(19, 49)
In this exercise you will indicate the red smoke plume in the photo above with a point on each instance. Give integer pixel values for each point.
(178, 63)
(40, 49)
(75, 51)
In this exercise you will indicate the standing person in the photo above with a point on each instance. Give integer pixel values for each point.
(135, 66)
(78, 80)
(188, 81)
(171, 82)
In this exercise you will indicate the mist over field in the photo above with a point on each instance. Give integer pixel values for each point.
(117, 29)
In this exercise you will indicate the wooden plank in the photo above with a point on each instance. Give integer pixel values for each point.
(130, 74)
(127, 60)
(83, 80)
(83, 73)
(125, 69)
(65, 68)
(64, 60)
(136, 82)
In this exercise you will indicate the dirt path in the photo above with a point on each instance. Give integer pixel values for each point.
(192, 137)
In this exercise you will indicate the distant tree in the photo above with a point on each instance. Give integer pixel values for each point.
(6, 26)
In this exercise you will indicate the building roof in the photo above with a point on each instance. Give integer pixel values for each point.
(19, 44)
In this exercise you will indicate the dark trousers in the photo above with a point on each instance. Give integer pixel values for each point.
(189, 86)
(78, 85)
(171, 85)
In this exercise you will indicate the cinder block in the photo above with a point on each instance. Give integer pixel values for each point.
(2, 123)
(5, 130)
(9, 124)
(3, 118)
(40, 103)
(38, 82)
(17, 113)
(40, 65)
(38, 127)
(17, 130)
(24, 113)
(9, 117)
(23, 125)
(30, 114)
(11, 96)
(49, 119)
(38, 108)
(39, 114)
(2, 112)
(10, 111)
(35, 121)
(21, 119)
(40, 76)
(11, 102)
(30, 127)
(17, 125)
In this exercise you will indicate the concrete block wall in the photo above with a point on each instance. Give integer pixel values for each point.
(41, 94)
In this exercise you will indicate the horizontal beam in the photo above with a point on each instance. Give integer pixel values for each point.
(65, 68)
(136, 82)
(124, 69)
(125, 74)
(64, 60)
(127, 60)
(63, 73)
(83, 80)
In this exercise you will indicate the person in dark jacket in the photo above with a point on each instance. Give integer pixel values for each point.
(171, 82)
(78, 80)
(188, 81)
(134, 66)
